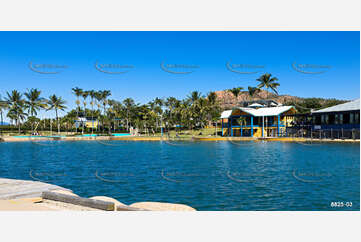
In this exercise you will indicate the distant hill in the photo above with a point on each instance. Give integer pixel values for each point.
(227, 100)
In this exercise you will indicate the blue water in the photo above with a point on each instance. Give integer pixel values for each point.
(204, 175)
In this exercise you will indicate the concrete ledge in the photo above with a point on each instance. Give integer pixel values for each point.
(128, 208)
(86, 202)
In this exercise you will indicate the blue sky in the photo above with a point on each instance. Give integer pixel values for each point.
(275, 52)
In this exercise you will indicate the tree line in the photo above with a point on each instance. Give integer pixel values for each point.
(194, 111)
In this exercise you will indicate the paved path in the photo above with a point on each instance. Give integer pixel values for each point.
(12, 188)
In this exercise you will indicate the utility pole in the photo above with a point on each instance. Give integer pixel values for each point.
(262, 126)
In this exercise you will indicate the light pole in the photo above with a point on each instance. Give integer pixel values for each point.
(262, 126)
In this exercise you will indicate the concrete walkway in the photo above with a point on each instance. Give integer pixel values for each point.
(14, 189)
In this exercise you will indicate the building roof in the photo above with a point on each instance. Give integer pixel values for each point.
(226, 114)
(349, 106)
(256, 105)
(267, 111)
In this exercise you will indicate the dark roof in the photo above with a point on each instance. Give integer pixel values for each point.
(349, 106)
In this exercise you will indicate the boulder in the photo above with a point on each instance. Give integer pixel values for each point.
(158, 206)
(108, 199)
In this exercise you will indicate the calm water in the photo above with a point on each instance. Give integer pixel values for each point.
(204, 175)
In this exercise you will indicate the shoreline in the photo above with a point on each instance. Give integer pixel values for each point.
(159, 138)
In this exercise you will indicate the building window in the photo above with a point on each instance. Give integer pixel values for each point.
(341, 118)
(322, 119)
(326, 119)
(337, 119)
(352, 117)
(357, 118)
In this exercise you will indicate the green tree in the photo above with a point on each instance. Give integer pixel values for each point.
(104, 99)
(236, 91)
(3, 107)
(34, 103)
(92, 95)
(77, 92)
(129, 105)
(266, 81)
(84, 94)
(252, 91)
(56, 103)
(16, 105)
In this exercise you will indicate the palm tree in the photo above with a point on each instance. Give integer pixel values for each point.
(236, 91)
(77, 92)
(196, 112)
(98, 98)
(194, 96)
(34, 103)
(3, 107)
(268, 82)
(214, 108)
(92, 94)
(171, 103)
(159, 110)
(56, 103)
(253, 91)
(128, 105)
(104, 98)
(16, 106)
(84, 94)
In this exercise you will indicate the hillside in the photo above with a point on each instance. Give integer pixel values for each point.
(227, 100)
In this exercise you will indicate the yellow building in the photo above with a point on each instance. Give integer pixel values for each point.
(257, 121)
(91, 124)
(88, 122)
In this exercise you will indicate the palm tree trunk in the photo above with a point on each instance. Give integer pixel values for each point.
(77, 116)
(2, 123)
(128, 120)
(92, 118)
(104, 117)
(18, 122)
(82, 131)
(57, 120)
(267, 94)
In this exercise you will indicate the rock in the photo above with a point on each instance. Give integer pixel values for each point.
(65, 192)
(108, 199)
(158, 206)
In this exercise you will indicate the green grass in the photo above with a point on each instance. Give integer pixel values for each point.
(190, 133)
(206, 132)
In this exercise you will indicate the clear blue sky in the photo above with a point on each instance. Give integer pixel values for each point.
(276, 51)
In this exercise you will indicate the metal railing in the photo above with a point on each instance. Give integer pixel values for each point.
(306, 132)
